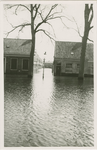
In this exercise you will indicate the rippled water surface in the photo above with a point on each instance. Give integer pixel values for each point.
(54, 111)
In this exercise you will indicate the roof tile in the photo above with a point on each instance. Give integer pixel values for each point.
(72, 50)
(15, 46)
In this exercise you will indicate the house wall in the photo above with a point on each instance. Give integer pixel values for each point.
(74, 69)
(19, 69)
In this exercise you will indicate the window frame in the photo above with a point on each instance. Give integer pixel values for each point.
(69, 66)
(11, 63)
(22, 64)
(78, 66)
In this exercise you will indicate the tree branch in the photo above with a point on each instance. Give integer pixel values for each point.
(11, 6)
(77, 28)
(36, 11)
(58, 17)
(40, 13)
(46, 33)
(25, 7)
(52, 28)
(90, 40)
(39, 25)
(91, 27)
(45, 19)
(79, 31)
(19, 26)
(91, 10)
(51, 10)
(16, 10)
(52, 15)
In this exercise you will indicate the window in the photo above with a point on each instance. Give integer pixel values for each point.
(78, 65)
(25, 64)
(69, 65)
(14, 64)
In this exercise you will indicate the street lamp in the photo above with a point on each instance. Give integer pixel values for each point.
(43, 65)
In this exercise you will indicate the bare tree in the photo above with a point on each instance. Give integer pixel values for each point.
(78, 31)
(43, 13)
(88, 16)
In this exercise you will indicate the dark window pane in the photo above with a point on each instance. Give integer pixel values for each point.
(13, 63)
(78, 65)
(25, 64)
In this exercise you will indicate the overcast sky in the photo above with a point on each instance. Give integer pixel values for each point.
(43, 43)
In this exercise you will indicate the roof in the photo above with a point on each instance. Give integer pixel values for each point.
(17, 47)
(72, 50)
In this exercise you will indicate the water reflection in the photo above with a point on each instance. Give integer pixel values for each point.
(54, 111)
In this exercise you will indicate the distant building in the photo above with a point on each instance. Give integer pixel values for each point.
(17, 56)
(38, 63)
(67, 58)
(48, 64)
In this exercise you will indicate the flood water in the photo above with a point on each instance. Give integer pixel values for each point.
(49, 112)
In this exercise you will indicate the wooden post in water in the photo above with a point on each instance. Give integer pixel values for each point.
(43, 65)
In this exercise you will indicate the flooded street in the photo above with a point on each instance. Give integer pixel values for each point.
(54, 111)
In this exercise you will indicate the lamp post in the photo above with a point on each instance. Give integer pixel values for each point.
(43, 65)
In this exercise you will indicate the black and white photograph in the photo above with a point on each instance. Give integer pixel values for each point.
(48, 69)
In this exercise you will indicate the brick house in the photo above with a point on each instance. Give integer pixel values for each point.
(67, 58)
(16, 56)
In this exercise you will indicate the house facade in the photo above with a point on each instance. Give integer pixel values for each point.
(16, 56)
(67, 59)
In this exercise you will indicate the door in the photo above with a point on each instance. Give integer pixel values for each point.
(58, 70)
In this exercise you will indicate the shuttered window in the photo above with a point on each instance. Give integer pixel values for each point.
(13, 64)
(25, 64)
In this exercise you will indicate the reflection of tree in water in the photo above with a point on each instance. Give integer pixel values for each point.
(59, 113)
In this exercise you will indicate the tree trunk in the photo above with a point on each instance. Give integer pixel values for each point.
(31, 63)
(82, 58)
(84, 42)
